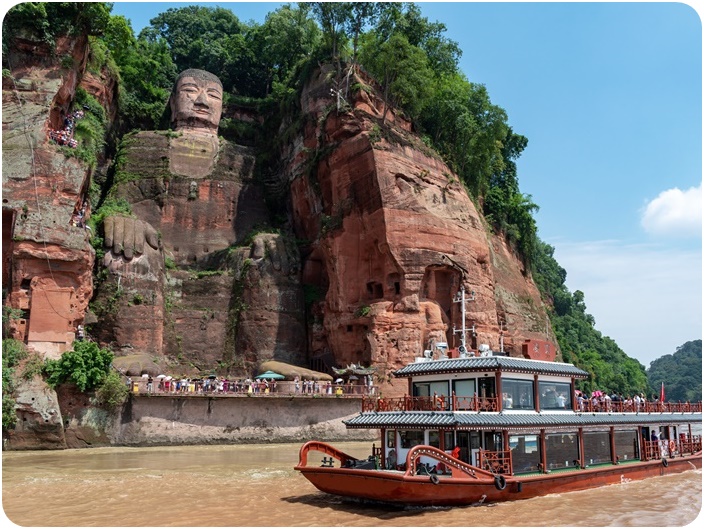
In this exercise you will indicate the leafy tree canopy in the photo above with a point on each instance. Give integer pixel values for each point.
(681, 373)
(86, 366)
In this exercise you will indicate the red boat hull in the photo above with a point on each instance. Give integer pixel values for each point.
(399, 488)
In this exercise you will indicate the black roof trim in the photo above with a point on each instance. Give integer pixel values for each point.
(485, 363)
(482, 420)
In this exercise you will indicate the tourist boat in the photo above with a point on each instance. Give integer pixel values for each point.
(453, 441)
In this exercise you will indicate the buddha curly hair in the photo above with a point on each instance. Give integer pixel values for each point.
(196, 74)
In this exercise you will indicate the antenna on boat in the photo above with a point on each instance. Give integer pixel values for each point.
(501, 337)
(461, 298)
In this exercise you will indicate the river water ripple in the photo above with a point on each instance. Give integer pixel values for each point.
(256, 486)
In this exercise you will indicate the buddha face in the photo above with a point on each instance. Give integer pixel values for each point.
(196, 102)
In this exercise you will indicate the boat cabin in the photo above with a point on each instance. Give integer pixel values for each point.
(516, 415)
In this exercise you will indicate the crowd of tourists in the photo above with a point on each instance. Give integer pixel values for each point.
(214, 385)
(602, 401)
(65, 136)
(78, 218)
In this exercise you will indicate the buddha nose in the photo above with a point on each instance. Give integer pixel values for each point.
(202, 99)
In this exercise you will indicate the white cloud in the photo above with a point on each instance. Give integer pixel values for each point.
(648, 299)
(674, 213)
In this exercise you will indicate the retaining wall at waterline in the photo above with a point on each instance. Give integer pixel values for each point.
(177, 420)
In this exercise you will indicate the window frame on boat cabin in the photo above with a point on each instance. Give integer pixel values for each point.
(517, 388)
(446, 386)
(546, 383)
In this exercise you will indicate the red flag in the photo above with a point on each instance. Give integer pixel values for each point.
(662, 392)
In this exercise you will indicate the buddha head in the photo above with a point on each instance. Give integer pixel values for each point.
(196, 102)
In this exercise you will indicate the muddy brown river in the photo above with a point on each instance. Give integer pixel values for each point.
(256, 486)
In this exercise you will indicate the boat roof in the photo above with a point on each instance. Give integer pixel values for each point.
(485, 421)
(486, 363)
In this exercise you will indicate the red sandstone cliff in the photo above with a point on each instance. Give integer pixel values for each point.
(47, 261)
(395, 238)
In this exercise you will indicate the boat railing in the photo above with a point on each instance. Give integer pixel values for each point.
(324, 448)
(475, 403)
(434, 403)
(444, 459)
(496, 461)
(641, 407)
(670, 448)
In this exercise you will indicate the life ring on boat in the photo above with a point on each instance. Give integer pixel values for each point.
(664, 462)
(434, 479)
(500, 482)
(672, 446)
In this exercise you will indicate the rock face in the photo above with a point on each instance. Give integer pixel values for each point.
(396, 237)
(47, 261)
(39, 421)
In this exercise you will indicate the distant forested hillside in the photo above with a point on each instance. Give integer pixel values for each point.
(681, 373)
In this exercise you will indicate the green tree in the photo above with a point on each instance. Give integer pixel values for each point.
(287, 37)
(86, 366)
(199, 37)
(402, 70)
(112, 393)
(13, 352)
(333, 16)
(362, 14)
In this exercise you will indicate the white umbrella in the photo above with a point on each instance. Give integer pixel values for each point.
(145, 375)
(169, 378)
(338, 381)
(161, 376)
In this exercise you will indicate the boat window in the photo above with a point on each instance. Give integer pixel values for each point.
(428, 389)
(597, 448)
(434, 438)
(449, 441)
(464, 388)
(487, 387)
(524, 453)
(517, 394)
(475, 440)
(555, 396)
(411, 438)
(391, 438)
(464, 391)
(561, 450)
(626, 443)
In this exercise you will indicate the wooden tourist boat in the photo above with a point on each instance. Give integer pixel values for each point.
(453, 441)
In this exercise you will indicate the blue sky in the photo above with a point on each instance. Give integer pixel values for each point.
(609, 96)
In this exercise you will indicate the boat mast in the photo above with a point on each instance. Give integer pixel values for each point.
(461, 298)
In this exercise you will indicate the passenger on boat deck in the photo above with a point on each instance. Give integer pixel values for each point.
(508, 400)
(561, 400)
(654, 436)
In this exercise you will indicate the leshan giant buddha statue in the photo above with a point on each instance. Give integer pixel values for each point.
(193, 200)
